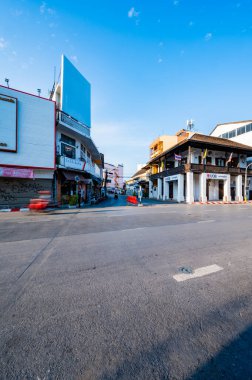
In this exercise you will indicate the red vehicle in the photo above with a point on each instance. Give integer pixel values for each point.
(40, 203)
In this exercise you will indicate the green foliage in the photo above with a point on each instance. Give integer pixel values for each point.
(73, 200)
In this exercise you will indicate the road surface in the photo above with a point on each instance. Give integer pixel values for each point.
(97, 293)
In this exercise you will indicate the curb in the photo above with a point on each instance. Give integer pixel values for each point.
(15, 209)
(222, 203)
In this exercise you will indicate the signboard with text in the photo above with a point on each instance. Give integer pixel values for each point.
(171, 178)
(8, 123)
(216, 176)
(16, 173)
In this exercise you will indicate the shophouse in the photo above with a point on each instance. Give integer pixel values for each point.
(114, 176)
(79, 163)
(27, 147)
(199, 168)
(139, 178)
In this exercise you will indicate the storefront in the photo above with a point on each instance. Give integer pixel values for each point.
(18, 186)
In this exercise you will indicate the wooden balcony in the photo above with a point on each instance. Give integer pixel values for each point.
(200, 168)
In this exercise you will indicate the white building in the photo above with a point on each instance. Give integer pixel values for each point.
(27, 146)
(114, 176)
(199, 168)
(240, 131)
(79, 163)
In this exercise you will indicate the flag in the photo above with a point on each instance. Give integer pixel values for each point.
(178, 157)
(205, 154)
(230, 158)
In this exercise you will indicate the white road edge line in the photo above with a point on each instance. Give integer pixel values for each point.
(200, 272)
(206, 221)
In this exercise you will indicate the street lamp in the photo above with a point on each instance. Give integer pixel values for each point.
(245, 184)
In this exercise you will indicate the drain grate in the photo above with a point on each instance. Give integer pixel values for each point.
(186, 270)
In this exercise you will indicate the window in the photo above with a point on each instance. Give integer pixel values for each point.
(232, 133)
(209, 160)
(200, 159)
(88, 154)
(248, 127)
(220, 162)
(82, 153)
(67, 151)
(225, 135)
(68, 146)
(67, 140)
(240, 131)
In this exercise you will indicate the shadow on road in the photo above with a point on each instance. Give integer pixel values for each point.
(189, 351)
(233, 362)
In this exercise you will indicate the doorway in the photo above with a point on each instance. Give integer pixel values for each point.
(171, 190)
(221, 190)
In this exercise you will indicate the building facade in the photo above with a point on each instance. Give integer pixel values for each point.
(199, 168)
(113, 176)
(27, 147)
(240, 131)
(79, 163)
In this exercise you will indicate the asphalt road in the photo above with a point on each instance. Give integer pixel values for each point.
(91, 293)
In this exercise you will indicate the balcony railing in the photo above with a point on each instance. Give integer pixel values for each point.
(200, 168)
(77, 164)
(73, 124)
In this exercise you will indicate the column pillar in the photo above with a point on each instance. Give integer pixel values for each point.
(159, 189)
(166, 192)
(150, 189)
(238, 188)
(227, 192)
(202, 181)
(181, 188)
(189, 188)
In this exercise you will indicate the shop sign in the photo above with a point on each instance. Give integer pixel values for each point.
(171, 178)
(216, 176)
(16, 173)
(77, 178)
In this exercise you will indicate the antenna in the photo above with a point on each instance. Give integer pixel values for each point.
(39, 91)
(190, 124)
(7, 82)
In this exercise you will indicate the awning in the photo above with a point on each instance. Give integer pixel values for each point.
(70, 176)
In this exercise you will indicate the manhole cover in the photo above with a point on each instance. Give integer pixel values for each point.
(186, 270)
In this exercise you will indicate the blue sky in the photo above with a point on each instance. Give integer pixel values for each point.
(151, 65)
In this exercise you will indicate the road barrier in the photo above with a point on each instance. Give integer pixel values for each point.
(132, 199)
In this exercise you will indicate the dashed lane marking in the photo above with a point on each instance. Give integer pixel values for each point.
(200, 272)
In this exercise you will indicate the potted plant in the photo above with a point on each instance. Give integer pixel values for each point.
(73, 201)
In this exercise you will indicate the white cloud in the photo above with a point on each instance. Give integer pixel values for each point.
(161, 44)
(3, 43)
(208, 36)
(191, 23)
(176, 2)
(43, 9)
(74, 58)
(160, 60)
(133, 13)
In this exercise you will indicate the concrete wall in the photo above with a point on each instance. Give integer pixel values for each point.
(35, 131)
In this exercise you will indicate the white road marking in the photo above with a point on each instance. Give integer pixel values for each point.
(200, 272)
(206, 221)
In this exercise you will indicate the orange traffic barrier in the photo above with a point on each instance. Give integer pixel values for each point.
(132, 199)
